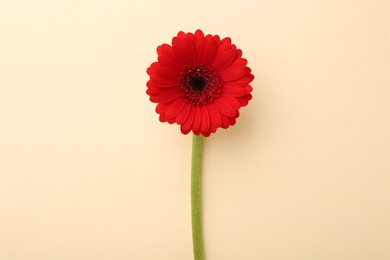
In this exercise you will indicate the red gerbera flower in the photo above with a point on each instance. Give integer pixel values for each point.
(199, 82)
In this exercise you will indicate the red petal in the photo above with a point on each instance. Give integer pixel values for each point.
(225, 122)
(228, 41)
(176, 40)
(168, 61)
(238, 64)
(183, 115)
(153, 94)
(205, 126)
(162, 118)
(248, 89)
(215, 116)
(171, 121)
(199, 33)
(163, 83)
(174, 108)
(152, 69)
(208, 51)
(207, 134)
(190, 47)
(184, 131)
(161, 108)
(164, 49)
(238, 53)
(249, 74)
(168, 74)
(183, 48)
(186, 126)
(244, 100)
(225, 108)
(155, 90)
(151, 86)
(244, 81)
(235, 71)
(165, 56)
(234, 89)
(157, 76)
(168, 95)
(199, 45)
(197, 119)
(180, 50)
(232, 121)
(224, 57)
(213, 129)
(181, 34)
(199, 42)
(231, 100)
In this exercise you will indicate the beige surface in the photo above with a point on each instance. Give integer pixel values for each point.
(87, 172)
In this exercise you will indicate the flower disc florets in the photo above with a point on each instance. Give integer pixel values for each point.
(199, 85)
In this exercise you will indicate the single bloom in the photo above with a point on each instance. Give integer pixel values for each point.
(199, 82)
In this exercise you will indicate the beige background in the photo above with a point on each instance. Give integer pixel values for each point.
(87, 172)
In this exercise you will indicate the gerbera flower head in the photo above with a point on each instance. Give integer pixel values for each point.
(199, 82)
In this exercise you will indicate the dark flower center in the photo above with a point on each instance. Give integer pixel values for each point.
(199, 85)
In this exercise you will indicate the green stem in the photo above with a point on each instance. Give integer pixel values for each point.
(196, 196)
